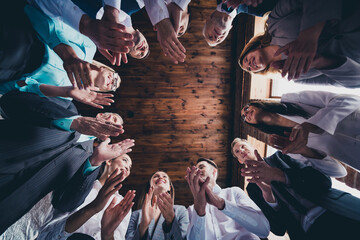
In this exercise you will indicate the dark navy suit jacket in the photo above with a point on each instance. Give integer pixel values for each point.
(310, 184)
(36, 159)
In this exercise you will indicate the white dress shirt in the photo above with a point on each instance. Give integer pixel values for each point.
(71, 14)
(56, 228)
(158, 11)
(240, 219)
(339, 116)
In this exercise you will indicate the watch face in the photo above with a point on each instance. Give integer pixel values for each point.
(225, 8)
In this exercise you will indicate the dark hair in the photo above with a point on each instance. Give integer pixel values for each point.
(147, 187)
(284, 108)
(208, 160)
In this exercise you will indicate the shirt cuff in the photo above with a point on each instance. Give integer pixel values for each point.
(221, 8)
(88, 168)
(64, 123)
(32, 86)
(274, 205)
(182, 3)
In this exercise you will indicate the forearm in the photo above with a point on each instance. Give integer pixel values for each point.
(54, 91)
(76, 220)
(65, 52)
(143, 227)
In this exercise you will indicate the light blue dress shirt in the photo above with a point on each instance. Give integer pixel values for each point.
(51, 32)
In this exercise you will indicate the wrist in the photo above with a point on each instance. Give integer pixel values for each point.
(106, 236)
(200, 210)
(169, 220)
(221, 204)
(95, 159)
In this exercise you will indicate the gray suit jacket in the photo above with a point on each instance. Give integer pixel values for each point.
(159, 231)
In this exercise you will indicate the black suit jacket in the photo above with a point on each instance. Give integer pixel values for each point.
(310, 184)
(37, 159)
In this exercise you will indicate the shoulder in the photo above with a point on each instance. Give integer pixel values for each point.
(179, 208)
(136, 214)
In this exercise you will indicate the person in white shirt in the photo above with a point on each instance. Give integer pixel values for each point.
(219, 23)
(170, 19)
(109, 31)
(97, 216)
(221, 213)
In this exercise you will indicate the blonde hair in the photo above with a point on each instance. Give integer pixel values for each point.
(260, 40)
(99, 65)
(235, 141)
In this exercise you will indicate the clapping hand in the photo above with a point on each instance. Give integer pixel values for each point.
(114, 214)
(98, 128)
(166, 206)
(197, 189)
(92, 98)
(112, 185)
(106, 151)
(169, 42)
(260, 171)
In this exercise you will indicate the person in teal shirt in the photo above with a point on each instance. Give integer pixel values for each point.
(65, 47)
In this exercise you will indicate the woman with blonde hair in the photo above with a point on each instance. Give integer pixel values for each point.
(318, 37)
(158, 217)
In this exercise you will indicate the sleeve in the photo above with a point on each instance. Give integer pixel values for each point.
(246, 213)
(314, 12)
(48, 29)
(182, 3)
(328, 166)
(179, 226)
(88, 168)
(132, 232)
(55, 230)
(114, 3)
(64, 123)
(274, 215)
(72, 194)
(65, 11)
(32, 86)
(333, 107)
(124, 18)
(156, 10)
(120, 231)
(31, 108)
(196, 229)
(346, 75)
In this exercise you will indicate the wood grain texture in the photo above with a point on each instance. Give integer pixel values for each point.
(177, 113)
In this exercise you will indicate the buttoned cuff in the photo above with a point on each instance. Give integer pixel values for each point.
(32, 86)
(64, 123)
(182, 3)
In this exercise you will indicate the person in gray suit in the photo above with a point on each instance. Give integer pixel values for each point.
(158, 217)
(45, 159)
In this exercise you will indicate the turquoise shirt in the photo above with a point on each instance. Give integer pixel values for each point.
(51, 32)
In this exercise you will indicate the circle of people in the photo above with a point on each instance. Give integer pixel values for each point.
(49, 51)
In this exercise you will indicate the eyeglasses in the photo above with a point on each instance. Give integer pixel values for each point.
(115, 84)
(245, 109)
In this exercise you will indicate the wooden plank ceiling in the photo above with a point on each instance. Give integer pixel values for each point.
(176, 113)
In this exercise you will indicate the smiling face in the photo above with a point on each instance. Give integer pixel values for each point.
(243, 151)
(216, 29)
(160, 181)
(207, 170)
(110, 117)
(250, 114)
(255, 61)
(141, 47)
(123, 163)
(107, 80)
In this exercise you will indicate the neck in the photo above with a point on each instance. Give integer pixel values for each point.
(103, 178)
